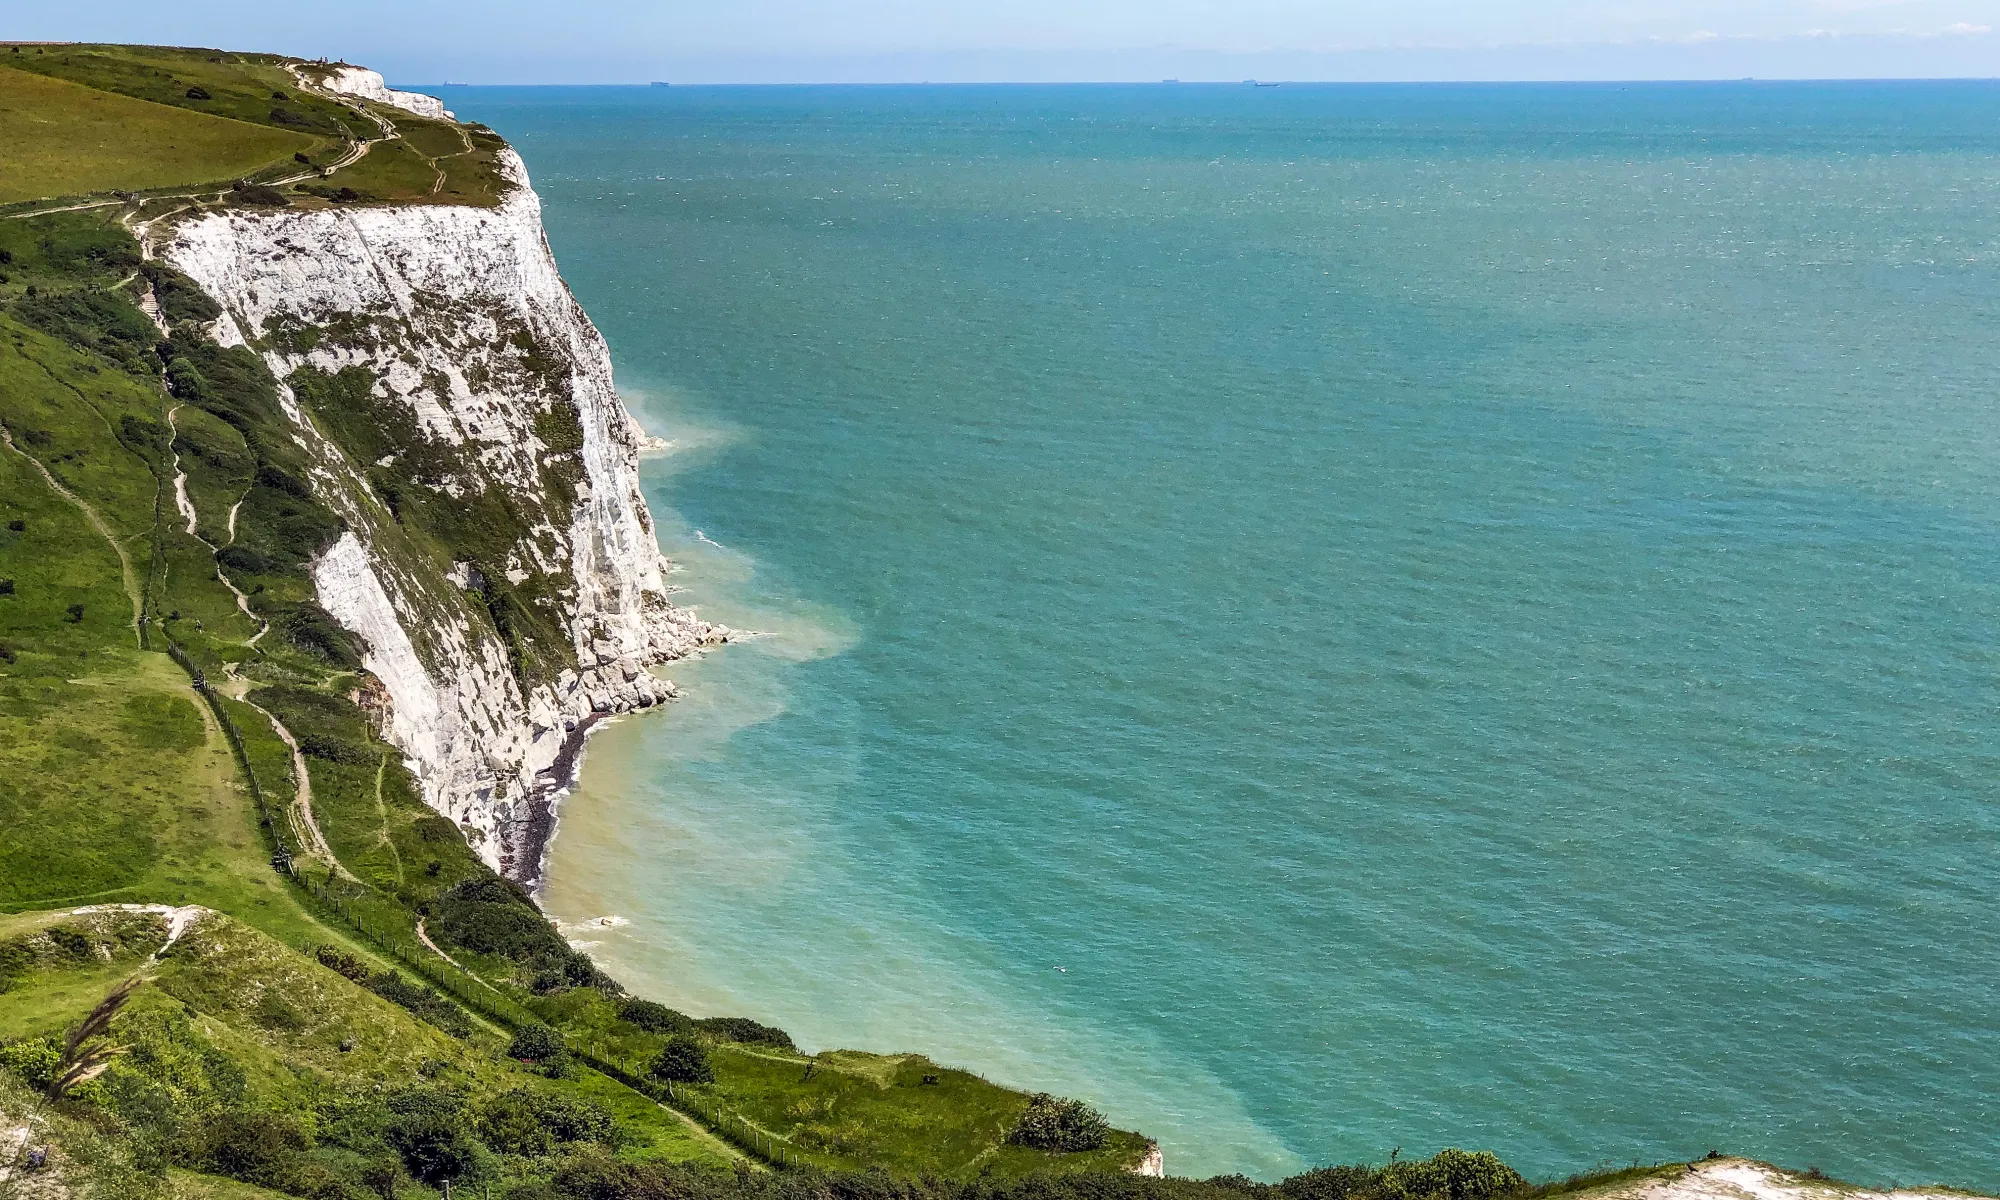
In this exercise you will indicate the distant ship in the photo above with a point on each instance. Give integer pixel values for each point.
(658, 83)
(1254, 83)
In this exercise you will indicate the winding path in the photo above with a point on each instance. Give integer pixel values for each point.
(303, 793)
(185, 505)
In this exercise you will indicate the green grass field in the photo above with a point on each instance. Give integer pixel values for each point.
(65, 139)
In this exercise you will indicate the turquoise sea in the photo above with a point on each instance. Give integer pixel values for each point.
(1323, 619)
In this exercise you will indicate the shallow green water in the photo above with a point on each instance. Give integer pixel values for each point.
(1459, 615)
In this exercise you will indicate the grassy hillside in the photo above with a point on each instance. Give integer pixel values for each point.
(65, 139)
(254, 88)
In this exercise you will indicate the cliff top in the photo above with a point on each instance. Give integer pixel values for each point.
(94, 123)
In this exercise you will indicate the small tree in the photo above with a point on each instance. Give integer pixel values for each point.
(684, 1060)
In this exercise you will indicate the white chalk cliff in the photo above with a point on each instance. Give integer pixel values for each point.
(472, 340)
(369, 85)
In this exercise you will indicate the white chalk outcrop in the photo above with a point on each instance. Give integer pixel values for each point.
(1154, 1164)
(476, 347)
(369, 85)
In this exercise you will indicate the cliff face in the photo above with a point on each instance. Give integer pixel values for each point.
(369, 85)
(498, 560)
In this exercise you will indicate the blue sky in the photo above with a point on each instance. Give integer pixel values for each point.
(622, 41)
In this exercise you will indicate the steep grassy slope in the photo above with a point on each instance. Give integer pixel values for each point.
(64, 139)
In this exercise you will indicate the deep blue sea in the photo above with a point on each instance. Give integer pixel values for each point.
(1323, 619)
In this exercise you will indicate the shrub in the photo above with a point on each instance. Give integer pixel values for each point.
(256, 1147)
(186, 381)
(109, 324)
(341, 962)
(535, 1043)
(180, 299)
(198, 93)
(1333, 1183)
(535, 1123)
(654, 1017)
(1451, 1174)
(260, 194)
(318, 745)
(425, 1004)
(427, 1126)
(245, 560)
(75, 616)
(34, 1062)
(489, 915)
(1053, 1123)
(743, 1029)
(313, 629)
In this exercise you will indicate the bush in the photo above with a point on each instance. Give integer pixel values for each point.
(179, 298)
(313, 629)
(245, 560)
(318, 745)
(1053, 1123)
(1333, 1183)
(654, 1018)
(33, 1062)
(536, 1043)
(427, 1127)
(423, 1003)
(1451, 1174)
(535, 1123)
(198, 93)
(186, 381)
(683, 1060)
(259, 194)
(256, 1147)
(743, 1029)
(333, 958)
(109, 324)
(489, 915)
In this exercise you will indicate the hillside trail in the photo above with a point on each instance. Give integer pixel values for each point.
(97, 523)
(356, 151)
(303, 798)
(305, 822)
(185, 506)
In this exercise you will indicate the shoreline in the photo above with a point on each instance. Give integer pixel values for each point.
(528, 838)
